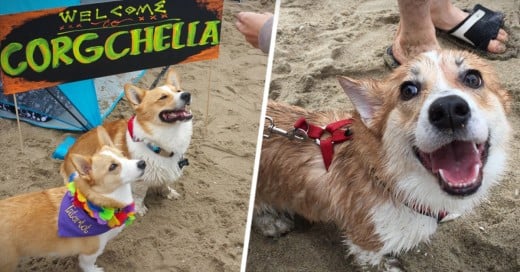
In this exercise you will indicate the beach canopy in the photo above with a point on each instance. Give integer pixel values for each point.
(75, 106)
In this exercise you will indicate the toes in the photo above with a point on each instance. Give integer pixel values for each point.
(496, 46)
(502, 36)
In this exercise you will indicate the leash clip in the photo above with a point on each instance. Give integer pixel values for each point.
(297, 133)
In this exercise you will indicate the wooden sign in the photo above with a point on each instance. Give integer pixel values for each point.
(44, 48)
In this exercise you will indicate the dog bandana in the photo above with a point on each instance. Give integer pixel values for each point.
(79, 217)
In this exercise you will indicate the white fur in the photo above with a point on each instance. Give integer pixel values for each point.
(400, 228)
(87, 263)
(122, 194)
(173, 138)
(160, 171)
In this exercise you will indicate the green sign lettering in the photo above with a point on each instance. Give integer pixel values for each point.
(43, 47)
(97, 51)
(60, 46)
(4, 59)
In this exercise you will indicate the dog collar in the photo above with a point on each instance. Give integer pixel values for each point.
(154, 148)
(78, 217)
(159, 151)
(427, 211)
(130, 126)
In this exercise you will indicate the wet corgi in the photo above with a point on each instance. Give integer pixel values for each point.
(428, 141)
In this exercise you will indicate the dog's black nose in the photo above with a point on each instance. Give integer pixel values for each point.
(141, 164)
(449, 112)
(186, 96)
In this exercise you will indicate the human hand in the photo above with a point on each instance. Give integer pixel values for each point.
(250, 24)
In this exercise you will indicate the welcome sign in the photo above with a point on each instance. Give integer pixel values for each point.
(44, 48)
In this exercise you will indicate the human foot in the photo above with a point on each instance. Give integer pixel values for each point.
(446, 17)
(408, 45)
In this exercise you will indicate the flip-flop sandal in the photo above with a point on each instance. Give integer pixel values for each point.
(476, 31)
(389, 59)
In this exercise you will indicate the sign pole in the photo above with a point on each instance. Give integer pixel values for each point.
(208, 97)
(18, 122)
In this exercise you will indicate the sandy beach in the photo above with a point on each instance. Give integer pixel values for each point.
(204, 230)
(318, 40)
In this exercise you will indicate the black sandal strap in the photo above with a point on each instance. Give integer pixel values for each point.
(480, 27)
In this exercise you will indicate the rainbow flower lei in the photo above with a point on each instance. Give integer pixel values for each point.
(113, 217)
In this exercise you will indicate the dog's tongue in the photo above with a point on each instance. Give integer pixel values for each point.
(458, 162)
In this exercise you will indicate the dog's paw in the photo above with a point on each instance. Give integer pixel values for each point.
(272, 223)
(391, 264)
(172, 194)
(140, 208)
(91, 268)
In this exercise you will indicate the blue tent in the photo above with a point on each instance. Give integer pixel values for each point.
(75, 106)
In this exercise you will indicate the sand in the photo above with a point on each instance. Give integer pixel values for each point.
(318, 40)
(204, 230)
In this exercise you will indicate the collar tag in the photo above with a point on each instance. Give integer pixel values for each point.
(183, 162)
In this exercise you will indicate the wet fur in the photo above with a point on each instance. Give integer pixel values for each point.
(372, 176)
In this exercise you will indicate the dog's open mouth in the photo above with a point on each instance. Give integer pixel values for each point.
(170, 116)
(458, 166)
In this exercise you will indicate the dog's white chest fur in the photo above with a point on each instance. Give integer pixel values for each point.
(160, 169)
(401, 228)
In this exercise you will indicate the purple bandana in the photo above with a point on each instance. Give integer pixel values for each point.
(75, 222)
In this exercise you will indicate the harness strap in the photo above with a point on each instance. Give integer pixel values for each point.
(337, 135)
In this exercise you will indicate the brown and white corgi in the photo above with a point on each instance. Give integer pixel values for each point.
(159, 133)
(428, 141)
(79, 218)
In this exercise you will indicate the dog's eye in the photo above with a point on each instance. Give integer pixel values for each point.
(472, 79)
(112, 167)
(409, 90)
(163, 97)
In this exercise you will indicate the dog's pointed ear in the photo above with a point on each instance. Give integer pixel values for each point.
(134, 94)
(360, 95)
(103, 137)
(82, 164)
(173, 79)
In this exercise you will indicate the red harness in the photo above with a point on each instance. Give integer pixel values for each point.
(337, 135)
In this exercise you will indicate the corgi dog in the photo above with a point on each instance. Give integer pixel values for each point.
(426, 142)
(159, 133)
(79, 218)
